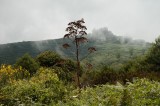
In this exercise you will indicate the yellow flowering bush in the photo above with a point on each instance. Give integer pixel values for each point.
(42, 88)
(8, 74)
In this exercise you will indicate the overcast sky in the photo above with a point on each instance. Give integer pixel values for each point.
(23, 20)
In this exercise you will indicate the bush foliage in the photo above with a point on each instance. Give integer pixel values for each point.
(48, 58)
(142, 92)
(44, 88)
(9, 74)
(28, 63)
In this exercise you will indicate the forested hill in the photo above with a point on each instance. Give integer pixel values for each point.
(111, 49)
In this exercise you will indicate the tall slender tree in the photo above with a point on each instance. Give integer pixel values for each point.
(77, 34)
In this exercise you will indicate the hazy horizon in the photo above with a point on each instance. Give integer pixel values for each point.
(34, 20)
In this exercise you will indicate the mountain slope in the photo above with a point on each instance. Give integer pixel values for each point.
(111, 49)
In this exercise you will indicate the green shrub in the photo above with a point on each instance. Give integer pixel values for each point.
(153, 56)
(143, 92)
(28, 63)
(46, 89)
(102, 76)
(48, 58)
(67, 64)
(64, 75)
(105, 95)
(109, 75)
(43, 88)
(65, 70)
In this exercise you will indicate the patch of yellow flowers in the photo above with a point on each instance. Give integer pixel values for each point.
(45, 74)
(9, 74)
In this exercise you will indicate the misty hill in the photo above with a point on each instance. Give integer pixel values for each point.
(111, 49)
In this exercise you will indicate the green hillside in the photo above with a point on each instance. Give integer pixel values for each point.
(111, 49)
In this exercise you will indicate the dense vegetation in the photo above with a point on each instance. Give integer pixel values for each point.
(111, 49)
(124, 78)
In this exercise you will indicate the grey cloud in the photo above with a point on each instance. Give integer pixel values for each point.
(46, 19)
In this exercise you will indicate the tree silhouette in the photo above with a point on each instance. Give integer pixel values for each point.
(77, 34)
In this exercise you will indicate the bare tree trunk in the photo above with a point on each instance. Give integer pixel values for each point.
(78, 65)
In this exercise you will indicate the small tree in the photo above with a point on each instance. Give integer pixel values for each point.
(48, 58)
(28, 63)
(76, 33)
(153, 56)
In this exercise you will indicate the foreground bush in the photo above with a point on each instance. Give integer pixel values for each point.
(9, 74)
(105, 95)
(142, 92)
(43, 88)
(46, 89)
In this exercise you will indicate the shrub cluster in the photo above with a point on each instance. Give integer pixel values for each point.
(44, 88)
(142, 92)
(9, 74)
(108, 75)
